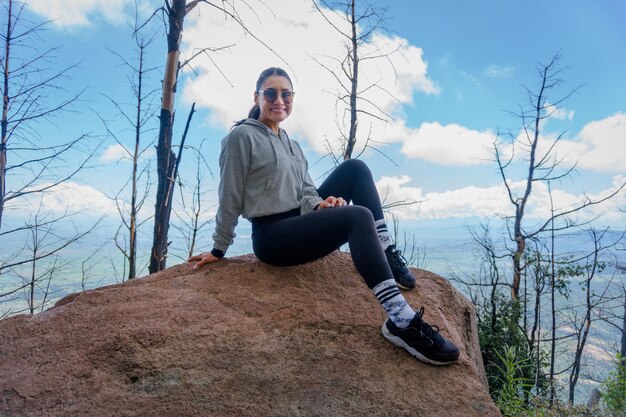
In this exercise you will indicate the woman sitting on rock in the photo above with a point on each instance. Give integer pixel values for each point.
(264, 177)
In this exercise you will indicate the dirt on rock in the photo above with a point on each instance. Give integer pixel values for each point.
(238, 338)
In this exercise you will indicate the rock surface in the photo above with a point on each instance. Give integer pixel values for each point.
(238, 338)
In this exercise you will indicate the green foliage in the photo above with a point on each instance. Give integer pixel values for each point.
(614, 390)
(511, 398)
(497, 333)
(513, 395)
(514, 399)
(543, 409)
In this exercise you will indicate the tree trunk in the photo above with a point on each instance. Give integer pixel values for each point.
(623, 349)
(520, 205)
(573, 380)
(33, 279)
(132, 251)
(4, 124)
(535, 333)
(166, 160)
(520, 245)
(586, 325)
(354, 85)
(552, 314)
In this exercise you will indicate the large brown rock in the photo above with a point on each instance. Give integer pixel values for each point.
(238, 338)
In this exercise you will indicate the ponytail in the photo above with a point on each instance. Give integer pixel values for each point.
(255, 112)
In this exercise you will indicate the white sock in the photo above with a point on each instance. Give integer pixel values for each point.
(397, 308)
(383, 233)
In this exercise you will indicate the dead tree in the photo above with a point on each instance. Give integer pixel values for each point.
(194, 217)
(167, 162)
(32, 96)
(623, 332)
(619, 266)
(34, 266)
(407, 244)
(363, 21)
(139, 118)
(591, 266)
(614, 313)
(544, 164)
(26, 99)
(539, 273)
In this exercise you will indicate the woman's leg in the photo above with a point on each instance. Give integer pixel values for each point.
(352, 180)
(298, 239)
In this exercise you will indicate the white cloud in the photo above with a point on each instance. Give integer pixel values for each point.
(499, 71)
(449, 145)
(120, 153)
(601, 145)
(492, 201)
(609, 211)
(560, 113)
(115, 153)
(70, 197)
(69, 13)
(300, 36)
(464, 202)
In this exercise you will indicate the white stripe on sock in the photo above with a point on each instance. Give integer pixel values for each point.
(394, 303)
(383, 233)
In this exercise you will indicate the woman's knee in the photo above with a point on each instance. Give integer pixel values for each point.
(356, 165)
(360, 216)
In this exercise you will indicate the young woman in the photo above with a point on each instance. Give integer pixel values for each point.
(264, 178)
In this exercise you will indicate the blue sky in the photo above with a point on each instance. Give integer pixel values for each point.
(460, 67)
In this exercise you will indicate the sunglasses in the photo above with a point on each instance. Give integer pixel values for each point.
(271, 95)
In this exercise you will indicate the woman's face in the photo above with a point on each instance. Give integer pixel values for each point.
(273, 101)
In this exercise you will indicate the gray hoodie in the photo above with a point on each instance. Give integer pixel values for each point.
(261, 173)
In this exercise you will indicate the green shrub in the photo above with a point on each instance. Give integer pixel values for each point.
(496, 336)
(614, 390)
(511, 398)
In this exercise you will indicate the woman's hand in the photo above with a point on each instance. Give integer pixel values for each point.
(332, 202)
(204, 258)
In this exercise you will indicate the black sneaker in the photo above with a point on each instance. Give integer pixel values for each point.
(401, 273)
(422, 341)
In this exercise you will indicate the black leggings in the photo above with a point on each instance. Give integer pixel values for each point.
(292, 239)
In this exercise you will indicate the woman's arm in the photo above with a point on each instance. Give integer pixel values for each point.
(234, 166)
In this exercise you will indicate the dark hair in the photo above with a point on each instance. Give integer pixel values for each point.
(255, 111)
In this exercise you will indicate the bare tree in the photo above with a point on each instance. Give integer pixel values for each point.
(88, 264)
(614, 313)
(485, 287)
(623, 332)
(26, 99)
(143, 111)
(38, 261)
(498, 320)
(194, 217)
(538, 271)
(407, 245)
(592, 267)
(167, 162)
(544, 164)
(622, 269)
(33, 97)
(363, 20)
